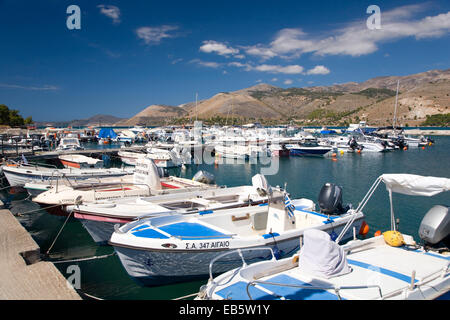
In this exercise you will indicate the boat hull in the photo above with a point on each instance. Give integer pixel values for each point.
(153, 267)
(309, 151)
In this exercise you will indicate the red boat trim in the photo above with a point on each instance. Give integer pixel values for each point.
(169, 185)
(70, 164)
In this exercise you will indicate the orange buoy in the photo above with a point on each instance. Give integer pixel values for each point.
(333, 155)
(378, 233)
(423, 148)
(364, 229)
(405, 148)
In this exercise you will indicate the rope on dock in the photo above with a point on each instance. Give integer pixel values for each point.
(83, 259)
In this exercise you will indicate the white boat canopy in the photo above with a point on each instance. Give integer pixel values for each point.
(415, 185)
(409, 184)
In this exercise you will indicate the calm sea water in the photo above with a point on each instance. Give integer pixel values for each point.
(106, 278)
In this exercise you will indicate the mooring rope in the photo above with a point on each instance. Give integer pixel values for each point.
(83, 259)
(68, 216)
(187, 296)
(90, 296)
(19, 214)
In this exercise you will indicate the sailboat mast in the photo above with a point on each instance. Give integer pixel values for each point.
(395, 110)
(196, 109)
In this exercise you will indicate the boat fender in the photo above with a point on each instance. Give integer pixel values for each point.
(364, 229)
(393, 238)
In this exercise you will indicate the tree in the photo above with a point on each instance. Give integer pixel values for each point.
(12, 117)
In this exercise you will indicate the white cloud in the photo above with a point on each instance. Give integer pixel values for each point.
(16, 86)
(355, 39)
(177, 60)
(318, 70)
(259, 51)
(291, 69)
(274, 79)
(110, 11)
(208, 64)
(154, 35)
(222, 49)
(287, 81)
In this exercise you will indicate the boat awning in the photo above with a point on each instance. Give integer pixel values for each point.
(415, 185)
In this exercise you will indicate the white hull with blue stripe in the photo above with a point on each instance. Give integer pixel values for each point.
(391, 266)
(378, 272)
(161, 250)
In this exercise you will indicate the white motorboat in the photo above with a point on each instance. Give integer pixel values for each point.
(175, 248)
(389, 266)
(100, 217)
(164, 158)
(130, 157)
(69, 143)
(19, 174)
(144, 182)
(126, 136)
(80, 161)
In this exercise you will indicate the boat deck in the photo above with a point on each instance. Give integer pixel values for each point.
(393, 269)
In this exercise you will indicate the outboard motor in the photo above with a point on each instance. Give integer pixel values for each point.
(330, 200)
(204, 177)
(434, 229)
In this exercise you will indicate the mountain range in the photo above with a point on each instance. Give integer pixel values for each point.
(421, 94)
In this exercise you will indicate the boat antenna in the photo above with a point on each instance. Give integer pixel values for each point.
(395, 110)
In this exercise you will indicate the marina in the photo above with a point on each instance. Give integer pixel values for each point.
(83, 228)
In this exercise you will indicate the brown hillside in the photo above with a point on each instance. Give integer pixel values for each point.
(154, 115)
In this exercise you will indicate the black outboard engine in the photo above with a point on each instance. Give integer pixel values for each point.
(434, 229)
(330, 200)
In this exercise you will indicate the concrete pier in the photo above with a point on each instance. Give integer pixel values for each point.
(23, 276)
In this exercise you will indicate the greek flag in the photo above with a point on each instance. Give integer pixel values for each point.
(289, 206)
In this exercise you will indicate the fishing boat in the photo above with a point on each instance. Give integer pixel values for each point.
(106, 136)
(18, 174)
(175, 248)
(145, 181)
(99, 218)
(384, 267)
(80, 161)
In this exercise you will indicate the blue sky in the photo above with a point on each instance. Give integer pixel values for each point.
(131, 54)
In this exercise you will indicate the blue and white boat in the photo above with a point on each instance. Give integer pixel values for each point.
(388, 266)
(176, 248)
(308, 146)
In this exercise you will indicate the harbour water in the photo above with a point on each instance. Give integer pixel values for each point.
(105, 278)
